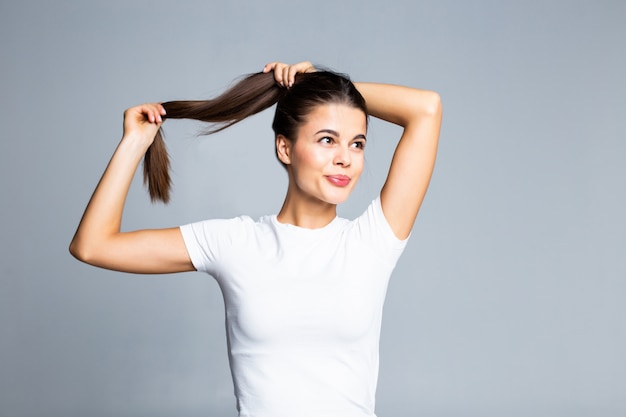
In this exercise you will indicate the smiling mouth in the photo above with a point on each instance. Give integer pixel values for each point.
(338, 180)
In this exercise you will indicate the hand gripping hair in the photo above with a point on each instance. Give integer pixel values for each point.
(250, 95)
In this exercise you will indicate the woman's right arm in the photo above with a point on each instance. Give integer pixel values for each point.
(98, 240)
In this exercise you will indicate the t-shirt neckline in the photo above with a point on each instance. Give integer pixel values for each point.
(288, 226)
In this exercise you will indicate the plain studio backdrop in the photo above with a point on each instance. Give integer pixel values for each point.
(510, 299)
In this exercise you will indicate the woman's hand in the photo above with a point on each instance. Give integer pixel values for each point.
(285, 74)
(418, 112)
(143, 122)
(98, 240)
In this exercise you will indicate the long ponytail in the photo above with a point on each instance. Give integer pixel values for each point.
(250, 95)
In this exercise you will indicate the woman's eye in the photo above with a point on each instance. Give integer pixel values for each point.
(326, 139)
(358, 145)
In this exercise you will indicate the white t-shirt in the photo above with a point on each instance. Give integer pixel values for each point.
(303, 309)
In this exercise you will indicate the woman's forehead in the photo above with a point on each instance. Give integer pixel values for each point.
(338, 117)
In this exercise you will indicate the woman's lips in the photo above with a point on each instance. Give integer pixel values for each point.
(338, 180)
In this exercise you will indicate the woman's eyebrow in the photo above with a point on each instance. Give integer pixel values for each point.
(334, 133)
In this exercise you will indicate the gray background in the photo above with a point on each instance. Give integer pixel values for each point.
(509, 300)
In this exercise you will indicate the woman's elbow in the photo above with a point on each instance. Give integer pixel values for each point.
(432, 104)
(81, 251)
(76, 250)
(423, 105)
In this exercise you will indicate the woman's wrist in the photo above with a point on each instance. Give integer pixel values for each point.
(135, 143)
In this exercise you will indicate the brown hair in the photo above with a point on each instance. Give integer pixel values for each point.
(252, 94)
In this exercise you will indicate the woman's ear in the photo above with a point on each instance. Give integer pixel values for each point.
(283, 149)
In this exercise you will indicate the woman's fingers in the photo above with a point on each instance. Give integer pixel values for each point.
(277, 68)
(280, 73)
(144, 120)
(284, 74)
(153, 112)
(286, 80)
(156, 111)
(269, 67)
(299, 68)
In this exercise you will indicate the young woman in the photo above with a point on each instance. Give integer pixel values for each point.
(303, 289)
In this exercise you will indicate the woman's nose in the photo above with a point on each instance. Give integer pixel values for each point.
(342, 157)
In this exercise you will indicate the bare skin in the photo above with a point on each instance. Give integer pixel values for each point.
(419, 113)
(317, 162)
(324, 164)
(98, 240)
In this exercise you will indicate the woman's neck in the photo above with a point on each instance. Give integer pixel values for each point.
(307, 213)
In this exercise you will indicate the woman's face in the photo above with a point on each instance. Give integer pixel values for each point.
(326, 159)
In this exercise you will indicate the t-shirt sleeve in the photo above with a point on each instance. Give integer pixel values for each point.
(210, 240)
(372, 226)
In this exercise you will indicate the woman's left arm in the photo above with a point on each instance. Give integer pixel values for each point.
(419, 113)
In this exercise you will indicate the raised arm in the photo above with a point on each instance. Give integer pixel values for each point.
(98, 240)
(419, 113)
